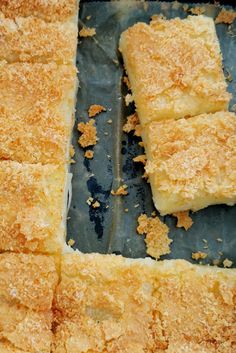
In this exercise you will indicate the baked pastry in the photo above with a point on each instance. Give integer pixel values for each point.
(27, 284)
(32, 39)
(111, 304)
(49, 10)
(191, 162)
(174, 67)
(36, 111)
(33, 203)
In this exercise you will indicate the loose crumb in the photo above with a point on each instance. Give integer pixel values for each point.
(109, 121)
(121, 191)
(227, 263)
(132, 121)
(199, 255)
(87, 32)
(96, 204)
(72, 151)
(126, 81)
(106, 133)
(225, 16)
(126, 210)
(219, 240)
(95, 109)
(89, 134)
(89, 201)
(153, 214)
(89, 154)
(204, 241)
(88, 17)
(220, 253)
(140, 159)
(228, 77)
(71, 242)
(72, 161)
(137, 205)
(128, 99)
(137, 130)
(158, 17)
(183, 220)
(157, 239)
(198, 10)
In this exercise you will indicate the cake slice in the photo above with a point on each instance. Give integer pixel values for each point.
(32, 39)
(27, 284)
(191, 162)
(49, 10)
(175, 68)
(106, 303)
(33, 202)
(36, 111)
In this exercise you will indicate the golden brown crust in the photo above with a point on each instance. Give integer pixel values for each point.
(191, 162)
(112, 304)
(33, 40)
(36, 111)
(57, 10)
(27, 285)
(31, 207)
(174, 68)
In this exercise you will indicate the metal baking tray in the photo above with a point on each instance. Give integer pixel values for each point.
(109, 229)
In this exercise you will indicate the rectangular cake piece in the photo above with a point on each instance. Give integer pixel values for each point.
(27, 285)
(191, 162)
(32, 39)
(49, 10)
(33, 201)
(36, 111)
(106, 303)
(174, 67)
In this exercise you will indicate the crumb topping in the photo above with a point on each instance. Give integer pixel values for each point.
(89, 134)
(132, 121)
(183, 220)
(121, 191)
(156, 239)
(87, 32)
(95, 109)
(225, 16)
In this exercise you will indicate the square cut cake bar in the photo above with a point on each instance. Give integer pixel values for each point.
(49, 10)
(33, 202)
(191, 163)
(175, 68)
(27, 286)
(106, 303)
(37, 104)
(32, 39)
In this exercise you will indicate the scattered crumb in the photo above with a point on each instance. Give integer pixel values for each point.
(219, 240)
(158, 17)
(96, 204)
(89, 154)
(157, 239)
(72, 161)
(140, 159)
(216, 262)
(228, 76)
(220, 253)
(87, 32)
(109, 121)
(153, 214)
(72, 151)
(106, 133)
(128, 99)
(88, 17)
(89, 201)
(185, 7)
(205, 247)
(204, 241)
(126, 81)
(141, 143)
(108, 156)
(95, 109)
(225, 16)
(126, 210)
(183, 220)
(199, 255)
(120, 191)
(89, 134)
(132, 121)
(138, 130)
(198, 10)
(227, 263)
(137, 205)
(71, 242)
(107, 206)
